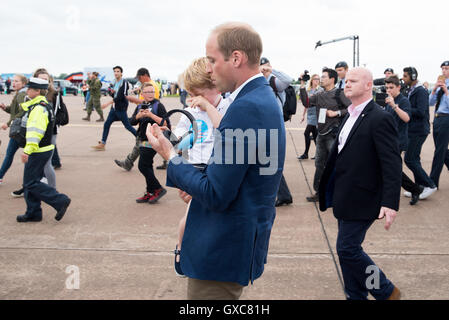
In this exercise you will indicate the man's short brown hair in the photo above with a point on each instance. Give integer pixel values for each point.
(234, 36)
(393, 80)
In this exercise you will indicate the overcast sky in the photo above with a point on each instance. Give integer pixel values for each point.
(165, 36)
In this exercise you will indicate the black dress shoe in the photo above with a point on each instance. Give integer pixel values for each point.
(415, 196)
(62, 211)
(314, 198)
(25, 218)
(303, 157)
(283, 203)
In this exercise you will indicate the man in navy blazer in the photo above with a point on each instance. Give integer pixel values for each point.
(229, 222)
(362, 182)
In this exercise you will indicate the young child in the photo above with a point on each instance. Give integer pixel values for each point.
(207, 106)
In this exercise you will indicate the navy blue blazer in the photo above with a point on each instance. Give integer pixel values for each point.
(232, 212)
(366, 175)
(419, 124)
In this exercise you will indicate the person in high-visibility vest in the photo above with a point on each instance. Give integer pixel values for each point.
(40, 121)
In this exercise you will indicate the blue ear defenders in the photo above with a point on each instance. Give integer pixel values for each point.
(173, 139)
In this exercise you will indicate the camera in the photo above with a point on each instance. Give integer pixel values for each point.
(305, 77)
(380, 91)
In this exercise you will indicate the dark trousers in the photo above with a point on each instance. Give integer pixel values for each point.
(310, 130)
(413, 161)
(283, 191)
(116, 116)
(356, 266)
(9, 157)
(55, 160)
(409, 185)
(35, 191)
(146, 168)
(441, 140)
(323, 149)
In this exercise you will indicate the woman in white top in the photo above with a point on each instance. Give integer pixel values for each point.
(207, 106)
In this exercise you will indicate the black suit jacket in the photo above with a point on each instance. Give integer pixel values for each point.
(366, 174)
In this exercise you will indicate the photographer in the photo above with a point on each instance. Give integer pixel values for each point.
(399, 106)
(331, 106)
(279, 81)
(440, 98)
(312, 120)
(380, 92)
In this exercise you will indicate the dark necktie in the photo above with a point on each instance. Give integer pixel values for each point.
(341, 84)
(439, 98)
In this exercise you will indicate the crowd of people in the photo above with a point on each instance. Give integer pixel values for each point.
(231, 205)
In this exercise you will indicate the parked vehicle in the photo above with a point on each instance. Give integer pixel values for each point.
(67, 85)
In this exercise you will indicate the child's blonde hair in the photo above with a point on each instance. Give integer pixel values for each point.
(197, 77)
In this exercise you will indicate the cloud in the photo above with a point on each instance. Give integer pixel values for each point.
(165, 36)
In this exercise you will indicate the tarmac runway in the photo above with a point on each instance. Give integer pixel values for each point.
(124, 250)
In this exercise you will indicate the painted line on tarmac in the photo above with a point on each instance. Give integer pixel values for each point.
(340, 278)
(287, 255)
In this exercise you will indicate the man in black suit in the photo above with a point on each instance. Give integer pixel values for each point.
(362, 182)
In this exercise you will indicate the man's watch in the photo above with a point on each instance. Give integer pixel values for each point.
(339, 113)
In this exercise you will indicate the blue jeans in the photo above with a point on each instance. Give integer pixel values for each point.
(413, 161)
(356, 265)
(10, 152)
(35, 191)
(441, 140)
(116, 116)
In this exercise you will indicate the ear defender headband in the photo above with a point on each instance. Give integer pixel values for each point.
(413, 73)
(187, 136)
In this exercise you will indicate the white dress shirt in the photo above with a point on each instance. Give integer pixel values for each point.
(354, 113)
(234, 94)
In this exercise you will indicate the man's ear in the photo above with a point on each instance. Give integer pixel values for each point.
(238, 58)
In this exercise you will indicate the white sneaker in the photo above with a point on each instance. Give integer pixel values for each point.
(427, 192)
(407, 194)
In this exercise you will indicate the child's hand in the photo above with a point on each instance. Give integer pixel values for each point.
(185, 196)
(199, 102)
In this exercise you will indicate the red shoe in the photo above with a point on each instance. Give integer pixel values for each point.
(146, 197)
(157, 194)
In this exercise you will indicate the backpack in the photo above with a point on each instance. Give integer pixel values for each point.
(289, 107)
(61, 112)
(18, 128)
